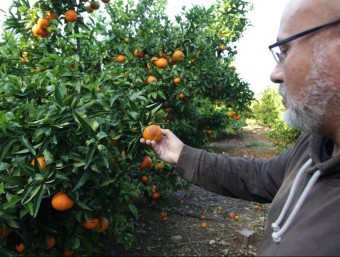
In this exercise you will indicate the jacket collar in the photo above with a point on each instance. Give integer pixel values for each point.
(321, 152)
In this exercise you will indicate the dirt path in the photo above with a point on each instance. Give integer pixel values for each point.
(182, 235)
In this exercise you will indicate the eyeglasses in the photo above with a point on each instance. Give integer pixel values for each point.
(274, 48)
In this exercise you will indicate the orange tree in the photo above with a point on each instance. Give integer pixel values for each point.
(75, 98)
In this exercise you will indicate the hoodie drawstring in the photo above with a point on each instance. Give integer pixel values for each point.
(276, 235)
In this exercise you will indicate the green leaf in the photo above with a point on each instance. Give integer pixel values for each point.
(101, 135)
(82, 179)
(104, 159)
(4, 166)
(12, 223)
(29, 193)
(156, 109)
(133, 210)
(2, 188)
(87, 128)
(93, 147)
(25, 141)
(5, 148)
(83, 206)
(29, 208)
(37, 201)
(28, 171)
(13, 201)
(58, 96)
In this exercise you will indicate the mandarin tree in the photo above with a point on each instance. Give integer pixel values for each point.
(63, 98)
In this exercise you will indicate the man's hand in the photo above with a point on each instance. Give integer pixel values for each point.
(168, 149)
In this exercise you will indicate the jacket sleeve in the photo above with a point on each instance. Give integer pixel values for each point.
(245, 178)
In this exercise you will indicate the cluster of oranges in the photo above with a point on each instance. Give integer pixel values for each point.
(231, 114)
(234, 216)
(99, 224)
(62, 202)
(40, 29)
(203, 224)
(154, 195)
(231, 215)
(162, 61)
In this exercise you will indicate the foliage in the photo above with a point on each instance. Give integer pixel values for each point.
(64, 96)
(268, 111)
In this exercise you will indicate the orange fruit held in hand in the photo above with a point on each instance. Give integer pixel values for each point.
(51, 242)
(204, 225)
(71, 16)
(146, 163)
(153, 132)
(42, 163)
(61, 201)
(178, 56)
(91, 223)
(20, 248)
(103, 225)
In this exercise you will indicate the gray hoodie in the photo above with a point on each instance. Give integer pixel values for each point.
(302, 185)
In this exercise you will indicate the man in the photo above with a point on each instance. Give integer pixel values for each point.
(303, 183)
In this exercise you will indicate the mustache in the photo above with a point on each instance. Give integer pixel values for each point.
(282, 91)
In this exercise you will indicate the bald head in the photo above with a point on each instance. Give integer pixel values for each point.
(300, 15)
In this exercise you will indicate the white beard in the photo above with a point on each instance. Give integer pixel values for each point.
(307, 110)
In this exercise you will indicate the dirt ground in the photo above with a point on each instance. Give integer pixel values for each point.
(182, 234)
